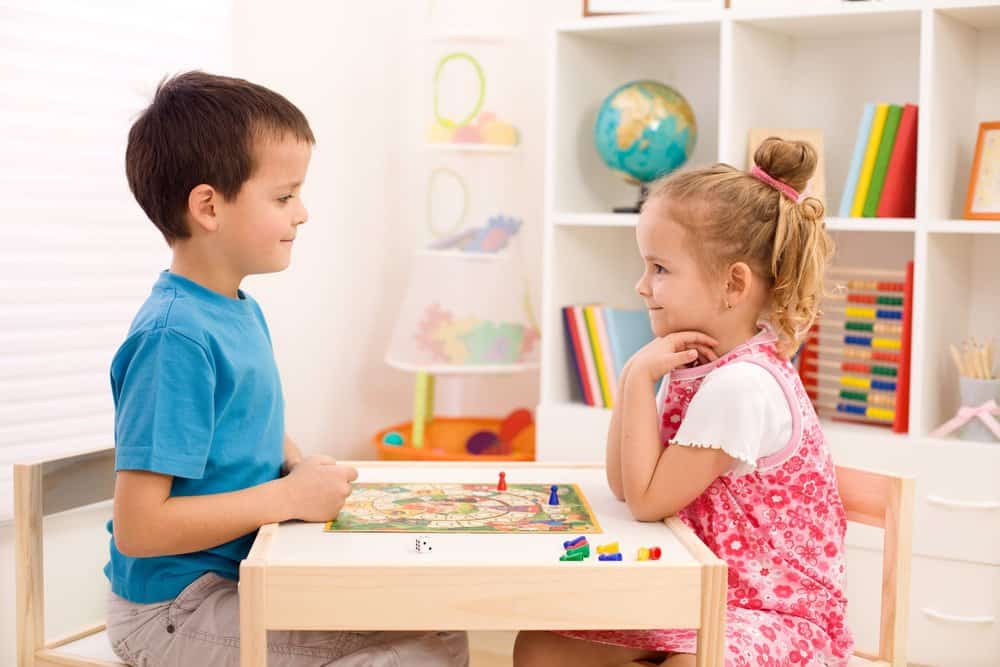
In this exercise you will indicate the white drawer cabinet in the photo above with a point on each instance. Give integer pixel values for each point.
(957, 504)
(954, 609)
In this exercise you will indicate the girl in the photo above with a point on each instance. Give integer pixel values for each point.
(733, 274)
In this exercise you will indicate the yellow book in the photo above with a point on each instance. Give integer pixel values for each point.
(868, 166)
(595, 341)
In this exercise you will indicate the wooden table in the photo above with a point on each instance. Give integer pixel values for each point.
(299, 577)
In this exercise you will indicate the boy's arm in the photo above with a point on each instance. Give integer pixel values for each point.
(148, 521)
(660, 482)
(293, 455)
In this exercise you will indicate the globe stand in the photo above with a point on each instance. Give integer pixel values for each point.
(643, 194)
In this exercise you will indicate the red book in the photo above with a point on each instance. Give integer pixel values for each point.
(578, 354)
(899, 194)
(901, 423)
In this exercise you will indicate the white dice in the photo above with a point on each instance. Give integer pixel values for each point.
(423, 545)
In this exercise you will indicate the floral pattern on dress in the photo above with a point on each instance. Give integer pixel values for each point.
(780, 530)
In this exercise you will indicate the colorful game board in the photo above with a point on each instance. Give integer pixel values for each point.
(464, 508)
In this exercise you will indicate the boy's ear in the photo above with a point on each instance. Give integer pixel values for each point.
(202, 202)
(739, 281)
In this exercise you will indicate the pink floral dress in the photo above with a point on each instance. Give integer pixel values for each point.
(780, 530)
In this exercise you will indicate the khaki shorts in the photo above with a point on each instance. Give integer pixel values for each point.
(201, 627)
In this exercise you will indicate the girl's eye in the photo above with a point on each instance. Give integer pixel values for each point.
(284, 200)
(659, 269)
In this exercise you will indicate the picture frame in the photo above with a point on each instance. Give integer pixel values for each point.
(615, 7)
(982, 202)
(817, 186)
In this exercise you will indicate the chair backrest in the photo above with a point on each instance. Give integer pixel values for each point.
(42, 488)
(885, 501)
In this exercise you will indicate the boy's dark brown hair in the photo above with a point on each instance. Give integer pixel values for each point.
(202, 128)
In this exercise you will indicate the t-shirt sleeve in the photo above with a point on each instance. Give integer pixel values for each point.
(740, 409)
(164, 405)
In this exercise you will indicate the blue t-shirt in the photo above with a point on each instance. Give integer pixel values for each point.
(197, 396)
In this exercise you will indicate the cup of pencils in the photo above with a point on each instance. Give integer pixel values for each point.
(977, 384)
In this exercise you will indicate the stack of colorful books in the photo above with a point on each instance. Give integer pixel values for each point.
(600, 341)
(881, 180)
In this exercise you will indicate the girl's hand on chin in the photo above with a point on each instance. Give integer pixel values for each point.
(662, 355)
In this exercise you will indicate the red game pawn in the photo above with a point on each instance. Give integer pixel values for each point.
(502, 484)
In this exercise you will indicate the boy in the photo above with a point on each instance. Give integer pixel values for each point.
(217, 164)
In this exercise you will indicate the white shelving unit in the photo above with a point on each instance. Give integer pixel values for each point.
(741, 69)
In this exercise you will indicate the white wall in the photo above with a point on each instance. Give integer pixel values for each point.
(357, 71)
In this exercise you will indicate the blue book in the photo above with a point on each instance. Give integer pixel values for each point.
(628, 332)
(854, 171)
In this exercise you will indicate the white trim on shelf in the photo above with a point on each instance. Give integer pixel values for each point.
(448, 369)
(838, 224)
(964, 226)
(595, 219)
(469, 148)
(481, 37)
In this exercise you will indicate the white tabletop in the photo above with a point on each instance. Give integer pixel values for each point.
(299, 543)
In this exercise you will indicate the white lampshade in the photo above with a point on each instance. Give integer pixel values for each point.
(464, 312)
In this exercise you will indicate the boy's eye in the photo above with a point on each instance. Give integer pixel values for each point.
(659, 269)
(284, 200)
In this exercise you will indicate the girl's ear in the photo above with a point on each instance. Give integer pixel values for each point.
(739, 283)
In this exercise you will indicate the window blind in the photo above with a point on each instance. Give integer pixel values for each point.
(77, 254)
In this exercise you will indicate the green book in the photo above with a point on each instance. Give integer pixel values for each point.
(882, 160)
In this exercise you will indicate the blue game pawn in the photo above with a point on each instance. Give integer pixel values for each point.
(553, 495)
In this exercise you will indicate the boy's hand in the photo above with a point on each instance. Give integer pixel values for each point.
(318, 487)
(662, 355)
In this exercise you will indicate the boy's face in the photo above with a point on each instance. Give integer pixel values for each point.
(256, 228)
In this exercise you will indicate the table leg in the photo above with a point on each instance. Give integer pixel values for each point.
(712, 633)
(253, 632)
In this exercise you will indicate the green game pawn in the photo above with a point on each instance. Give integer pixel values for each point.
(585, 550)
(577, 556)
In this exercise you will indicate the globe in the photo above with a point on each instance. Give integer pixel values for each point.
(645, 130)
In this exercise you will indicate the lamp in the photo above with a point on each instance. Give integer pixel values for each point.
(465, 312)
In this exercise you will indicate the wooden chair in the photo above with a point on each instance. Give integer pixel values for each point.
(40, 489)
(886, 502)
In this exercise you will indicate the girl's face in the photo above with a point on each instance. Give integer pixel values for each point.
(674, 283)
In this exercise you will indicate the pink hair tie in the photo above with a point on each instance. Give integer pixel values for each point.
(783, 188)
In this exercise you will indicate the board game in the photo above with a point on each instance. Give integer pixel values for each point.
(464, 508)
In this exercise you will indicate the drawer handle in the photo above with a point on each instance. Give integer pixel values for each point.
(957, 619)
(964, 504)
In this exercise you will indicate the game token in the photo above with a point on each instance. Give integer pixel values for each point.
(609, 548)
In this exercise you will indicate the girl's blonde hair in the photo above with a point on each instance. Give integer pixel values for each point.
(734, 217)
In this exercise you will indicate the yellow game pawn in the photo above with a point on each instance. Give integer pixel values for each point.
(610, 548)
(643, 554)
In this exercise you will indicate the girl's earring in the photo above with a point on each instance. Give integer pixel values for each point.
(729, 306)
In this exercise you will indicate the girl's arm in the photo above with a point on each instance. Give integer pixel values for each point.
(613, 462)
(660, 482)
